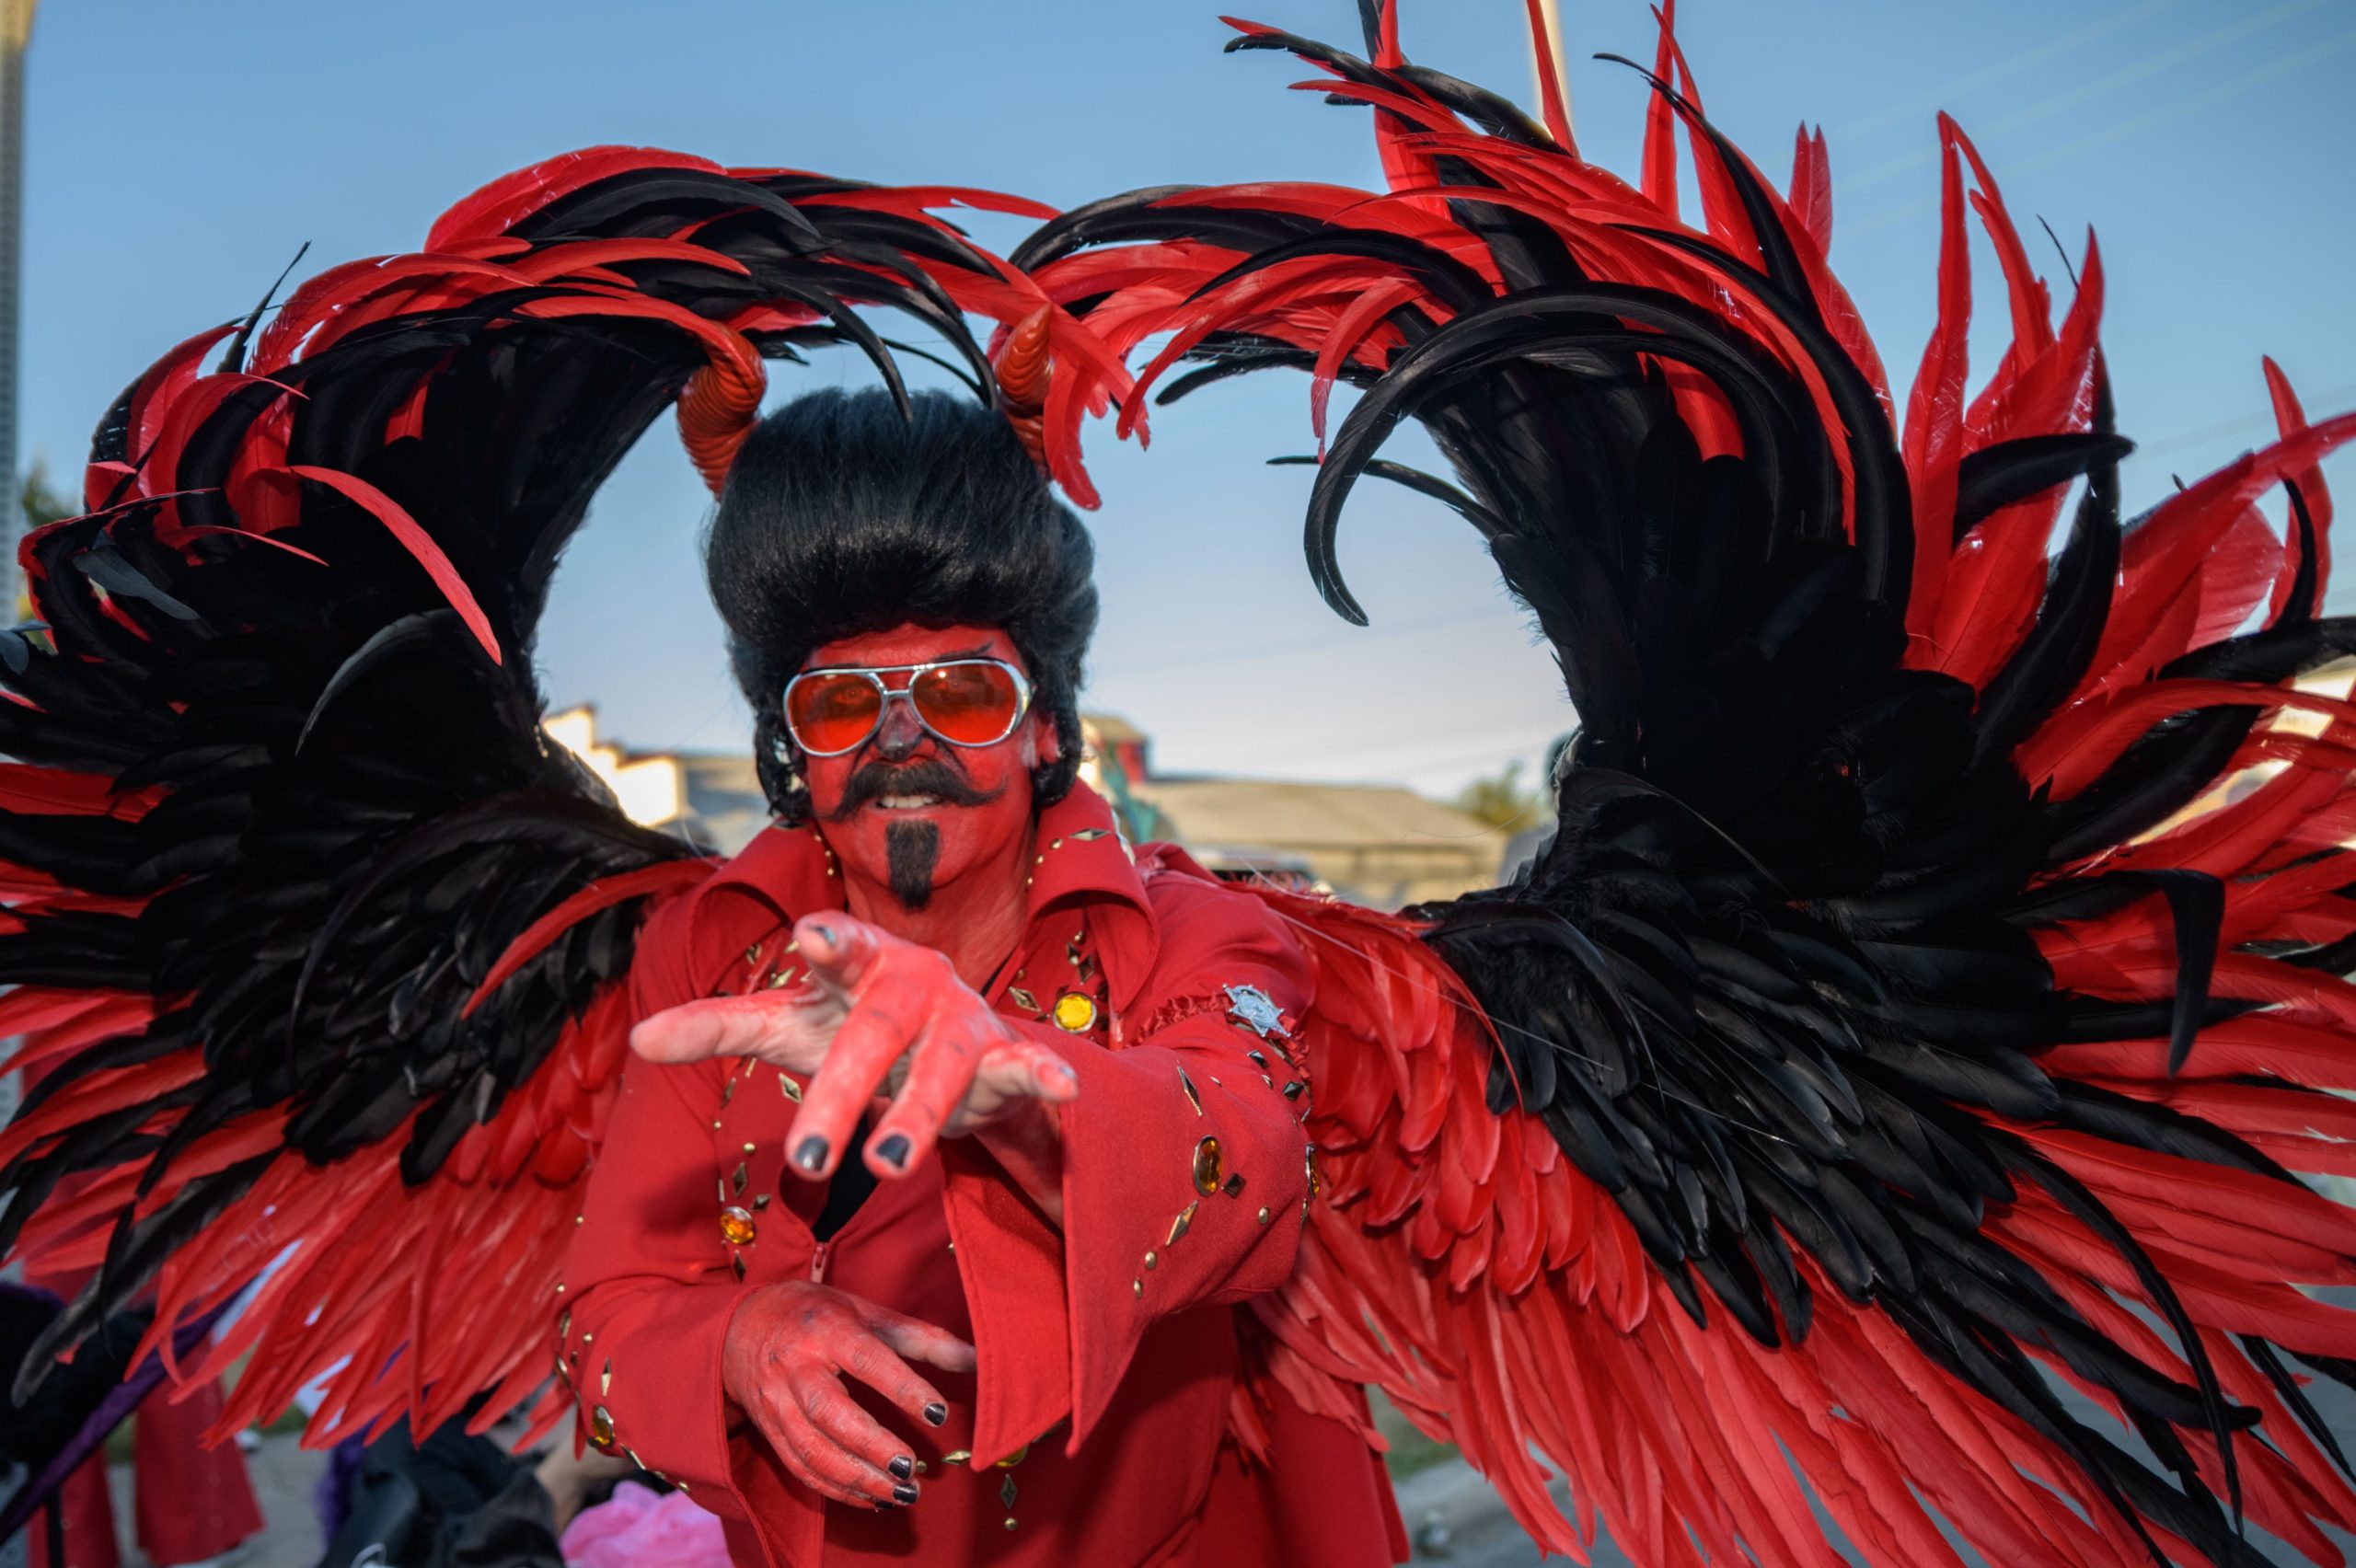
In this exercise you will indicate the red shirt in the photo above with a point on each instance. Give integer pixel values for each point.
(1108, 1350)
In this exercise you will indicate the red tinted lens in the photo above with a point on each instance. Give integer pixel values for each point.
(970, 704)
(831, 712)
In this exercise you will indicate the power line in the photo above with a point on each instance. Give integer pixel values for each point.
(2047, 106)
(1942, 96)
(2333, 399)
(2175, 108)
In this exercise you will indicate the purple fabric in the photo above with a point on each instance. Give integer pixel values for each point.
(111, 1411)
(638, 1526)
(331, 1496)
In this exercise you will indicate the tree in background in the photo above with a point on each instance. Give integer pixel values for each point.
(39, 503)
(1503, 801)
(44, 502)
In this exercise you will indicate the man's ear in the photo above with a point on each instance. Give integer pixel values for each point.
(1045, 742)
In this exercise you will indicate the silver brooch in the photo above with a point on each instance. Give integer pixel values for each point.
(1250, 1006)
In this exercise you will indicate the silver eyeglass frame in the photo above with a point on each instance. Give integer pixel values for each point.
(875, 673)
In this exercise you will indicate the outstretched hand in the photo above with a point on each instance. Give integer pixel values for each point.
(878, 1016)
(789, 1348)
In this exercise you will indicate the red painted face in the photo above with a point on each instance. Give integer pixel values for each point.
(904, 802)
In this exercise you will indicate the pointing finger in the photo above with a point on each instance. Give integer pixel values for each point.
(1023, 1070)
(940, 1071)
(791, 1029)
(869, 1041)
(841, 950)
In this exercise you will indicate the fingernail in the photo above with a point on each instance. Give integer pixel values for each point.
(904, 1494)
(811, 1155)
(902, 1466)
(934, 1415)
(823, 931)
(894, 1152)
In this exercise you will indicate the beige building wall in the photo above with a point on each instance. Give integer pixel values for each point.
(1379, 845)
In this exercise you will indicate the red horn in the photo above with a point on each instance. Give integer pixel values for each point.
(717, 411)
(1024, 369)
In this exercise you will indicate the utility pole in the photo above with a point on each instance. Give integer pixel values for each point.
(1557, 46)
(16, 32)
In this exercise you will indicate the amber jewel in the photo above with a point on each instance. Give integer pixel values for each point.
(1208, 1167)
(1075, 1012)
(736, 1226)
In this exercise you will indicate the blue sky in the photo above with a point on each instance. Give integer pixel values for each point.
(177, 153)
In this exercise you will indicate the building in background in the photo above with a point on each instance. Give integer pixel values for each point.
(1377, 844)
(16, 33)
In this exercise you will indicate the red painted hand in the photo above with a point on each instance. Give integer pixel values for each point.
(788, 1349)
(883, 1017)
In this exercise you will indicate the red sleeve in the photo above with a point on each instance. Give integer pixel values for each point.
(1185, 1170)
(647, 1278)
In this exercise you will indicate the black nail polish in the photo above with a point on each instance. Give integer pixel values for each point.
(894, 1152)
(934, 1415)
(902, 1466)
(904, 1494)
(823, 931)
(811, 1155)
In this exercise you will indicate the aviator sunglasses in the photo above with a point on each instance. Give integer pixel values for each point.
(964, 702)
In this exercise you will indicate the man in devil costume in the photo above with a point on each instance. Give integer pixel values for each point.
(1931, 996)
(940, 915)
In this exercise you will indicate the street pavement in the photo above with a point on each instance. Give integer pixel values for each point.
(1448, 1504)
(1453, 1516)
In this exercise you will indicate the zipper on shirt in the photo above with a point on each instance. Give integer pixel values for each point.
(818, 1263)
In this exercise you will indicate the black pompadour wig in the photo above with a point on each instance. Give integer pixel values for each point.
(841, 516)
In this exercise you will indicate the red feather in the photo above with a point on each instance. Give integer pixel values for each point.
(1660, 119)
(1933, 440)
(417, 541)
(1811, 188)
(2289, 419)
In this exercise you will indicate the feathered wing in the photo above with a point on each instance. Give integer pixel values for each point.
(312, 930)
(1934, 981)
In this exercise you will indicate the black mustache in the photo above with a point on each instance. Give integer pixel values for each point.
(929, 775)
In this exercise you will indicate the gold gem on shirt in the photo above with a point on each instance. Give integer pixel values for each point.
(1209, 1169)
(1075, 1012)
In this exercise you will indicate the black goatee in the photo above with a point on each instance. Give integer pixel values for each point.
(910, 850)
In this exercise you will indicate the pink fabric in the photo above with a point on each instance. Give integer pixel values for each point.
(638, 1526)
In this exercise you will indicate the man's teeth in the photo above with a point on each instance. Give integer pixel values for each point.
(907, 803)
